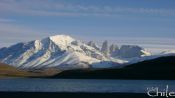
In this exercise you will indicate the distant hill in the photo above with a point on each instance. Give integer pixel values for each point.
(159, 68)
(10, 71)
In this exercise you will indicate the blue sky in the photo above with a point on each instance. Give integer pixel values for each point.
(23, 20)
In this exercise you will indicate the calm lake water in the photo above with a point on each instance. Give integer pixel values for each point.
(82, 85)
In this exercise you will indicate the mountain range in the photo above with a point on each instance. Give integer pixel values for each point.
(66, 53)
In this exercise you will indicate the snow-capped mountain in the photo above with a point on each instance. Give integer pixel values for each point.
(56, 51)
(130, 51)
(64, 52)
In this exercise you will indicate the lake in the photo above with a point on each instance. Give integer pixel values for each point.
(82, 85)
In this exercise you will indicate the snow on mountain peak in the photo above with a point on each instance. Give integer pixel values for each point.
(61, 39)
(65, 52)
(54, 51)
(129, 51)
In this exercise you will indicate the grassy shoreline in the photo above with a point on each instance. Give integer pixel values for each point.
(10, 71)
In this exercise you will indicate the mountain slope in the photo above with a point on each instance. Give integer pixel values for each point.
(159, 68)
(10, 71)
(6, 70)
(66, 53)
(59, 51)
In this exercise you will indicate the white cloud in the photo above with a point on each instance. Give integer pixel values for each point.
(50, 8)
(12, 33)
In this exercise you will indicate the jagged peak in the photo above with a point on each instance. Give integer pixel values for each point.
(93, 44)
